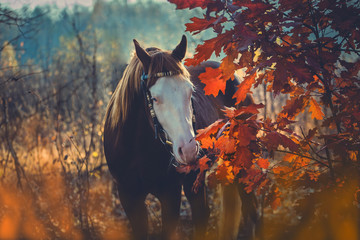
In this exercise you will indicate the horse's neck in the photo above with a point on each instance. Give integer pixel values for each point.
(206, 109)
(137, 122)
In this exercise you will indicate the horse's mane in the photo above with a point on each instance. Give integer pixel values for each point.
(129, 85)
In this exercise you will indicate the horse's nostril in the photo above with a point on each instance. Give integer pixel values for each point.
(180, 152)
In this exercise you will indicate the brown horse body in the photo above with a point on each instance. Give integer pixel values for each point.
(141, 165)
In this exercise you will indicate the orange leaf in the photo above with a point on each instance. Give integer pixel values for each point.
(227, 66)
(230, 112)
(316, 78)
(244, 88)
(211, 129)
(315, 109)
(212, 78)
(263, 163)
(233, 112)
(353, 155)
(224, 173)
(294, 106)
(208, 142)
(226, 144)
(313, 175)
(290, 157)
(203, 163)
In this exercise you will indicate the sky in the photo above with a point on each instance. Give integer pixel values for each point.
(32, 3)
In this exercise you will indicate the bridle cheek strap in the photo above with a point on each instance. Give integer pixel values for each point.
(149, 104)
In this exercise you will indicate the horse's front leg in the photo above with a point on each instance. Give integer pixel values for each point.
(135, 209)
(199, 206)
(170, 209)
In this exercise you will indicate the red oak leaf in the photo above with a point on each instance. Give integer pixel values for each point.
(230, 112)
(212, 78)
(245, 36)
(243, 158)
(301, 73)
(205, 50)
(245, 135)
(233, 112)
(289, 143)
(244, 88)
(200, 24)
(252, 179)
(294, 106)
(209, 130)
(224, 173)
(263, 163)
(227, 66)
(280, 78)
(315, 109)
(225, 144)
(208, 142)
(180, 4)
(273, 139)
(203, 163)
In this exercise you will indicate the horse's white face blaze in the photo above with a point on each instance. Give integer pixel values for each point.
(172, 106)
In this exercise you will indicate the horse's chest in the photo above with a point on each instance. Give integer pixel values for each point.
(147, 166)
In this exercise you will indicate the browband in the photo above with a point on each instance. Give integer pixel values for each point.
(159, 74)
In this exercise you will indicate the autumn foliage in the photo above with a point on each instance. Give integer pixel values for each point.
(306, 50)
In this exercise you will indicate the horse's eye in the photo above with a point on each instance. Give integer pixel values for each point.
(154, 99)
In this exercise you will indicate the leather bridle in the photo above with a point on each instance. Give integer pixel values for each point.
(160, 132)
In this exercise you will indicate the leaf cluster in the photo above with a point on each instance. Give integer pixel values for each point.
(307, 50)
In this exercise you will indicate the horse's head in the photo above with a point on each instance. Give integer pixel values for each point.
(171, 97)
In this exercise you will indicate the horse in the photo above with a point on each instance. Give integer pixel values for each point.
(149, 131)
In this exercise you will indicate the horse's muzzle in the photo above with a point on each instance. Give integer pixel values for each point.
(187, 153)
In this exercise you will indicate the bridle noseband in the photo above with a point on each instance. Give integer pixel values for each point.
(160, 132)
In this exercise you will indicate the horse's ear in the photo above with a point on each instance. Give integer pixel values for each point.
(180, 50)
(143, 56)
